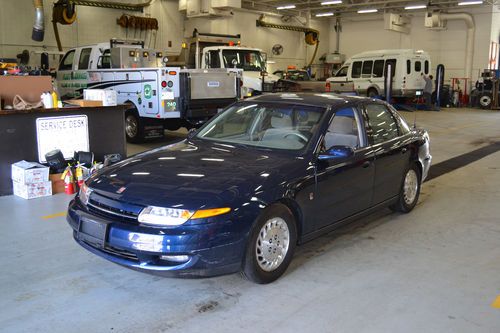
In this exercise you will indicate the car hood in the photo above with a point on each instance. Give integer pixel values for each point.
(193, 175)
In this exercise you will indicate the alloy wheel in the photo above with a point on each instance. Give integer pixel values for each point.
(410, 187)
(272, 244)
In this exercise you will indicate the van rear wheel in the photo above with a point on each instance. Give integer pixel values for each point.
(372, 92)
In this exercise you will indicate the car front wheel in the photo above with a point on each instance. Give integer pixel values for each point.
(410, 190)
(271, 245)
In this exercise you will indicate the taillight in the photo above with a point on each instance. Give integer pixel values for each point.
(163, 84)
(241, 83)
(327, 86)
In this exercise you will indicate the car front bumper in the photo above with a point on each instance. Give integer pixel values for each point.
(197, 250)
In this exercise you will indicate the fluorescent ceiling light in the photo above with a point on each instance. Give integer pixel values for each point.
(332, 2)
(286, 7)
(366, 11)
(465, 3)
(415, 7)
(324, 14)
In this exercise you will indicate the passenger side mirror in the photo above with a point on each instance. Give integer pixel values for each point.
(337, 152)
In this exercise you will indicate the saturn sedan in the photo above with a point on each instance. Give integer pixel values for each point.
(260, 178)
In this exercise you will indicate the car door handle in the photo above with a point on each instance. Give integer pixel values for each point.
(403, 150)
(366, 164)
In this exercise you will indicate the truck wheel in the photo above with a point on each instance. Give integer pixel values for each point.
(134, 127)
(485, 100)
(372, 92)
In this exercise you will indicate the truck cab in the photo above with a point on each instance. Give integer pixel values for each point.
(251, 60)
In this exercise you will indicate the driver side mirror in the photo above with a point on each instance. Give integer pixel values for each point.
(337, 152)
(191, 133)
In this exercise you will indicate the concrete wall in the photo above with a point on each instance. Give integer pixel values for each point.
(295, 50)
(93, 25)
(445, 46)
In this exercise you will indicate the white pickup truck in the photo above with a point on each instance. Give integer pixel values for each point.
(162, 97)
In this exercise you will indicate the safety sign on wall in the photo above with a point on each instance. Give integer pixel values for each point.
(68, 134)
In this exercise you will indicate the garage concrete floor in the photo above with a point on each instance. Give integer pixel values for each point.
(436, 269)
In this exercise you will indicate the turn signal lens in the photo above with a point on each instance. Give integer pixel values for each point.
(204, 213)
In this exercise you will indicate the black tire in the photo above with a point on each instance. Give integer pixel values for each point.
(405, 204)
(254, 260)
(372, 92)
(134, 127)
(485, 100)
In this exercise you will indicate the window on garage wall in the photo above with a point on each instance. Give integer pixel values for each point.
(378, 68)
(356, 69)
(418, 66)
(408, 66)
(367, 68)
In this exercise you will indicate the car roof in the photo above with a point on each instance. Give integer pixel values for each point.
(313, 99)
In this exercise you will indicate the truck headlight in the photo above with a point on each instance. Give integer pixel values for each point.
(162, 216)
(84, 193)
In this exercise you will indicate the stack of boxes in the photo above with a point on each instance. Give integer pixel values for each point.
(30, 180)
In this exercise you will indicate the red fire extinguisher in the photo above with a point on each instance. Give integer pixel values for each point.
(69, 182)
(79, 174)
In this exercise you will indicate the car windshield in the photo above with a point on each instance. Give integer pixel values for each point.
(247, 60)
(265, 125)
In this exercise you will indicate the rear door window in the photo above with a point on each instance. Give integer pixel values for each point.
(382, 125)
(67, 62)
(356, 69)
(426, 67)
(408, 66)
(378, 68)
(104, 60)
(367, 68)
(418, 66)
(393, 63)
(83, 62)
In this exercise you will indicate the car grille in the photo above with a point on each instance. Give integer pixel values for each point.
(120, 253)
(111, 212)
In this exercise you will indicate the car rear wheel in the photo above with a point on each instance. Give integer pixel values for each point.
(410, 190)
(271, 245)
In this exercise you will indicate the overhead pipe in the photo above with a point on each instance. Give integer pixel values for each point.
(38, 27)
(469, 46)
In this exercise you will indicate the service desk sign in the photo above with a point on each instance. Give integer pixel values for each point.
(68, 134)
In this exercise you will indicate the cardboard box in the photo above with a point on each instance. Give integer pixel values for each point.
(24, 172)
(84, 103)
(33, 190)
(107, 97)
(57, 183)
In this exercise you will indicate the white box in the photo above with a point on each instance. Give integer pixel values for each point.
(33, 190)
(107, 97)
(24, 172)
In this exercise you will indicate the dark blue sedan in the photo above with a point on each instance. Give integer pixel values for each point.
(241, 192)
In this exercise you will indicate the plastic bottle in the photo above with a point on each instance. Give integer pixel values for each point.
(47, 100)
(53, 95)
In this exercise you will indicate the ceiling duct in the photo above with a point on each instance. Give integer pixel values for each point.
(38, 27)
(437, 19)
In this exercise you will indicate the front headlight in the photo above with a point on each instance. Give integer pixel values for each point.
(162, 216)
(84, 193)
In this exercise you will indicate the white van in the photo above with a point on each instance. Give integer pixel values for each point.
(364, 73)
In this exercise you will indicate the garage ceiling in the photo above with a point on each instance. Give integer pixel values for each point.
(328, 8)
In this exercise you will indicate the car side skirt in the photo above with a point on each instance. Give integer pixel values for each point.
(315, 234)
